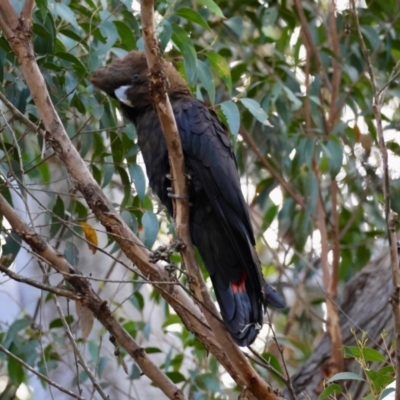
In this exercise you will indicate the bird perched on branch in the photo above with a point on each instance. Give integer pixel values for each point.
(220, 225)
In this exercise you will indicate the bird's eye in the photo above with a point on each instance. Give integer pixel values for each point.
(135, 77)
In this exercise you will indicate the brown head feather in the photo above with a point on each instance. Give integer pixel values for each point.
(132, 71)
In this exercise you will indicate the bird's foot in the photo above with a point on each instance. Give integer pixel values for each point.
(160, 253)
(178, 245)
(163, 253)
(171, 268)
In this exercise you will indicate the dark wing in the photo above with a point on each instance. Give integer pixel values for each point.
(210, 157)
(205, 143)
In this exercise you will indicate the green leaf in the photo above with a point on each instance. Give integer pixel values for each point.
(13, 330)
(206, 79)
(150, 225)
(367, 354)
(221, 67)
(64, 12)
(10, 249)
(126, 35)
(137, 176)
(232, 114)
(71, 253)
(57, 217)
(212, 6)
(16, 372)
(152, 350)
(329, 390)
(236, 24)
(175, 376)
(136, 372)
(345, 376)
(184, 44)
(386, 392)
(130, 220)
(192, 16)
(79, 66)
(165, 35)
(137, 300)
(335, 151)
(57, 323)
(42, 6)
(255, 109)
(171, 320)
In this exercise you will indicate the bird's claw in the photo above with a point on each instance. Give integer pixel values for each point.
(178, 245)
(172, 195)
(163, 253)
(171, 268)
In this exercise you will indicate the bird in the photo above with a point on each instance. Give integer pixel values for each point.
(220, 225)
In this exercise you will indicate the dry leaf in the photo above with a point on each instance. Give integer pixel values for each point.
(85, 319)
(357, 133)
(90, 235)
(366, 142)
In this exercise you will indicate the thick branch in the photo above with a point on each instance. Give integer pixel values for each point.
(27, 10)
(8, 18)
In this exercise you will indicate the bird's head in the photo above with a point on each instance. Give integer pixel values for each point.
(127, 80)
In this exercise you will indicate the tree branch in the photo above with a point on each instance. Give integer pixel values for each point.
(285, 185)
(244, 374)
(27, 10)
(91, 300)
(58, 139)
(41, 376)
(81, 359)
(8, 18)
(40, 285)
(391, 217)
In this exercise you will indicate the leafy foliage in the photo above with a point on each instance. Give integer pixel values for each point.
(248, 60)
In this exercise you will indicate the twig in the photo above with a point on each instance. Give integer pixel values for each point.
(27, 10)
(309, 44)
(40, 285)
(288, 380)
(41, 376)
(333, 326)
(264, 363)
(333, 36)
(17, 114)
(79, 354)
(334, 278)
(285, 185)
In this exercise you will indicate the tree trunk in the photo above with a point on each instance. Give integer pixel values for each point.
(363, 307)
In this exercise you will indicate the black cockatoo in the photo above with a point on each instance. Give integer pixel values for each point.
(220, 225)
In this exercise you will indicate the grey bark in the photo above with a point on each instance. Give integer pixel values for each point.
(363, 307)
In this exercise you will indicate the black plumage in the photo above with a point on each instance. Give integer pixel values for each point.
(219, 220)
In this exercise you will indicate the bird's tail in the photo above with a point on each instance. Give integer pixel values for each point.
(272, 298)
(242, 315)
